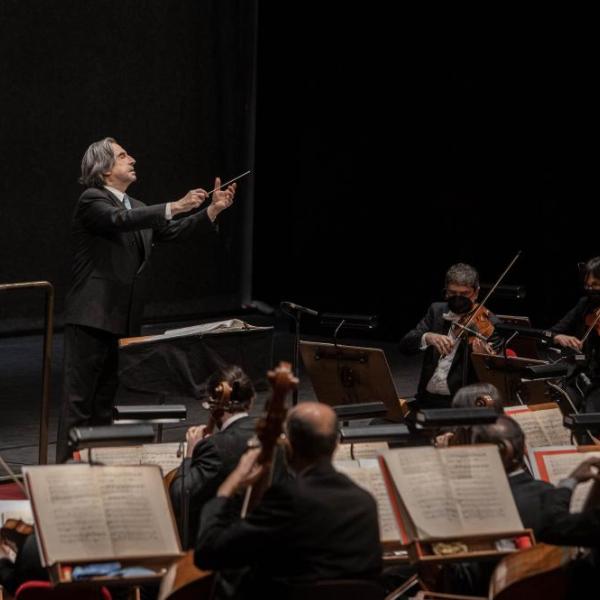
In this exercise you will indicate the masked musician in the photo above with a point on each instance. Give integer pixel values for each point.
(578, 331)
(444, 368)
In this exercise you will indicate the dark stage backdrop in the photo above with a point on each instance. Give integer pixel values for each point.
(173, 82)
(392, 144)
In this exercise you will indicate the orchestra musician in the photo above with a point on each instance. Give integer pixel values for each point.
(319, 525)
(444, 368)
(213, 450)
(579, 330)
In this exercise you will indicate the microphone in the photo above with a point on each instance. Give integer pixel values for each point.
(290, 306)
(543, 334)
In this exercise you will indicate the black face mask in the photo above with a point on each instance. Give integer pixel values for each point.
(593, 296)
(460, 305)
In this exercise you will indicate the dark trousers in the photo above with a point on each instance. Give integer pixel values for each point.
(89, 382)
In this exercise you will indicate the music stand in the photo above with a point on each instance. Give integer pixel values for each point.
(342, 375)
(505, 373)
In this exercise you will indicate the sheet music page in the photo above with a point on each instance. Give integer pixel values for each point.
(368, 475)
(117, 455)
(535, 435)
(543, 427)
(560, 466)
(480, 489)
(551, 422)
(16, 509)
(137, 512)
(360, 450)
(454, 491)
(163, 455)
(418, 475)
(69, 515)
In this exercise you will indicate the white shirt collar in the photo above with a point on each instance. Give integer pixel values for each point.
(118, 193)
(232, 419)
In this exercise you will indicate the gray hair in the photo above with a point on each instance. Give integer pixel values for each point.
(462, 274)
(98, 159)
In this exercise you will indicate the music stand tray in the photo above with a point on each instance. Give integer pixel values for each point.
(350, 375)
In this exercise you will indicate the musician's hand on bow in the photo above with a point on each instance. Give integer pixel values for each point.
(568, 341)
(588, 469)
(442, 343)
(481, 347)
(245, 474)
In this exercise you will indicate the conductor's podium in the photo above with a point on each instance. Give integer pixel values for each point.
(174, 366)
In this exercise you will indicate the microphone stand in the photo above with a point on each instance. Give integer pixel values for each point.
(504, 349)
(295, 312)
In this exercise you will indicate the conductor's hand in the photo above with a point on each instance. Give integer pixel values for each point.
(442, 343)
(568, 341)
(246, 473)
(193, 199)
(221, 200)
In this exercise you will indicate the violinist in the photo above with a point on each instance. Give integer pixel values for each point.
(439, 334)
(213, 450)
(579, 330)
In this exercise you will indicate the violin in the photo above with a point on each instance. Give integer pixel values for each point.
(476, 324)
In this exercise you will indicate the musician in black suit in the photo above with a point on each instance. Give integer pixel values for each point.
(317, 526)
(542, 506)
(570, 331)
(25, 566)
(212, 454)
(444, 368)
(113, 235)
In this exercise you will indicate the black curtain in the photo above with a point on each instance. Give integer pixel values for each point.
(399, 140)
(173, 82)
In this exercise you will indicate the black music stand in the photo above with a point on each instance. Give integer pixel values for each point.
(346, 375)
(506, 373)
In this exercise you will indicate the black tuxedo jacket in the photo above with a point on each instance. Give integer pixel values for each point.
(319, 525)
(562, 528)
(434, 322)
(527, 493)
(112, 246)
(212, 461)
